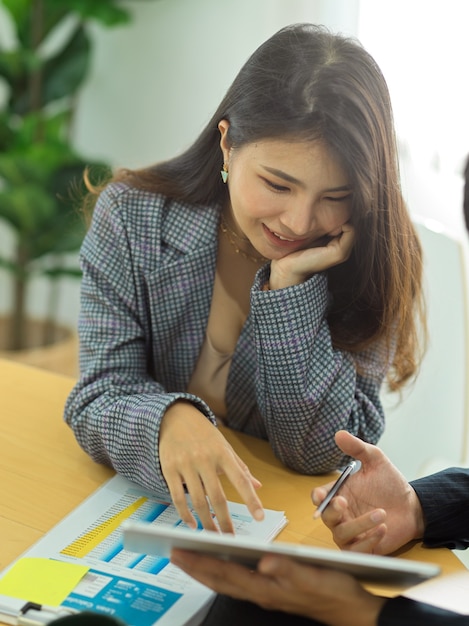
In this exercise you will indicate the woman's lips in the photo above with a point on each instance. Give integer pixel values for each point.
(282, 241)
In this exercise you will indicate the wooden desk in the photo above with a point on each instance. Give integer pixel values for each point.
(44, 474)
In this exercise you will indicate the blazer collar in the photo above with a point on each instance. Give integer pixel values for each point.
(191, 228)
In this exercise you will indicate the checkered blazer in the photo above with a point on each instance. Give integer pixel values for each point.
(148, 271)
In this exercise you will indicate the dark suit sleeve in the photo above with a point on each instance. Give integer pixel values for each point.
(445, 502)
(406, 612)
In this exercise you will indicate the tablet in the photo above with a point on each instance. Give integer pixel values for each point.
(146, 538)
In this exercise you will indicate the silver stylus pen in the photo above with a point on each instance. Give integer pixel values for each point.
(335, 488)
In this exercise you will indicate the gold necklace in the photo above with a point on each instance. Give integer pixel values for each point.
(231, 235)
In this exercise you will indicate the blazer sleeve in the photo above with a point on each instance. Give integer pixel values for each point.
(115, 410)
(444, 497)
(306, 389)
(407, 612)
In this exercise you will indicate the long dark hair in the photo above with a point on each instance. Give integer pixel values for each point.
(306, 83)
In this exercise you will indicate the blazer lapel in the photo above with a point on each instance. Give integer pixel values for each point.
(180, 292)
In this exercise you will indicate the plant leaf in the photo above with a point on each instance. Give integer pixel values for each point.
(65, 72)
(25, 208)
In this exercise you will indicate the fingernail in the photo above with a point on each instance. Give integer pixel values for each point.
(377, 516)
(258, 514)
(268, 564)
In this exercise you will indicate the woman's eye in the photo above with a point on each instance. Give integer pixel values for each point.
(338, 198)
(274, 186)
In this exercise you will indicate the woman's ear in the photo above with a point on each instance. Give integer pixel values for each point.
(223, 127)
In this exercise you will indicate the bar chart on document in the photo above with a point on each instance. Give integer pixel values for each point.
(140, 589)
(103, 542)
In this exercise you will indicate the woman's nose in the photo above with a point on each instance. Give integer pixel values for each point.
(299, 219)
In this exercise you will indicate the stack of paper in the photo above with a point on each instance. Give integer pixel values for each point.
(81, 564)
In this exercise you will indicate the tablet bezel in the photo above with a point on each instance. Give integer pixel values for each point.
(158, 539)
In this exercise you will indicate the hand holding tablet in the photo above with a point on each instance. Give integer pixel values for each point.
(146, 538)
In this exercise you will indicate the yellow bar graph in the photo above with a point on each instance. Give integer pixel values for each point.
(96, 535)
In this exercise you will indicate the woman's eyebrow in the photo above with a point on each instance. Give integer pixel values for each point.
(342, 188)
(284, 175)
(291, 179)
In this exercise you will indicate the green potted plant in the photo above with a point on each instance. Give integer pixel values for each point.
(41, 173)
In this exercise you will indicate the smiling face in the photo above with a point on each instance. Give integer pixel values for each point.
(285, 195)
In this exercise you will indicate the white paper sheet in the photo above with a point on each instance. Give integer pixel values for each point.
(141, 590)
(449, 592)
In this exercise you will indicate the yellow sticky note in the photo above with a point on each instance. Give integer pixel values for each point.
(44, 581)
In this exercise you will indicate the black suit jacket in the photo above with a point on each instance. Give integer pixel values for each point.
(445, 501)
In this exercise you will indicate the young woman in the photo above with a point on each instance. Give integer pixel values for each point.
(274, 298)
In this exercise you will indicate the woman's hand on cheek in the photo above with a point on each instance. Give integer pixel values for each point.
(297, 267)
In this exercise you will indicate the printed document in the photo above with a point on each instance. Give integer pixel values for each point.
(87, 546)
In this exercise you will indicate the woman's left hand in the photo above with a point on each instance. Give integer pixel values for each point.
(281, 584)
(297, 267)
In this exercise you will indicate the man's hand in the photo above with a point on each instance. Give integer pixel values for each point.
(376, 510)
(281, 584)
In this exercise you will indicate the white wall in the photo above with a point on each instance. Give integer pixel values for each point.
(155, 84)
(421, 47)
